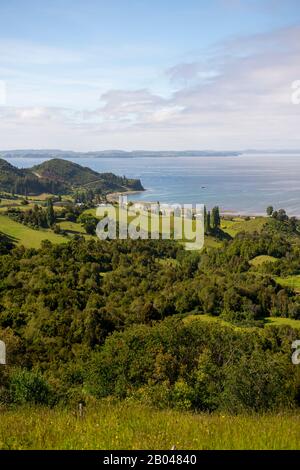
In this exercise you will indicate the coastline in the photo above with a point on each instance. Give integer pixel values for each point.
(114, 196)
(225, 213)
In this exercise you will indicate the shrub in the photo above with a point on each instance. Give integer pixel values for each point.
(29, 387)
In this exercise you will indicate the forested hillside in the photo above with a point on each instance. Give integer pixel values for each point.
(57, 176)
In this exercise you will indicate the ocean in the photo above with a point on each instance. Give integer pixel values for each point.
(244, 184)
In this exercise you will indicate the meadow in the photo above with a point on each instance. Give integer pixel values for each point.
(261, 259)
(290, 281)
(234, 225)
(126, 425)
(24, 235)
(269, 321)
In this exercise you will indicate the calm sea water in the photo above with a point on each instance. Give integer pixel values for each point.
(246, 184)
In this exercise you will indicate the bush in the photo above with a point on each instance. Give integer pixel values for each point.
(198, 366)
(259, 382)
(56, 229)
(182, 396)
(29, 387)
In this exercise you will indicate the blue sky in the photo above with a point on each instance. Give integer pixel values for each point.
(149, 74)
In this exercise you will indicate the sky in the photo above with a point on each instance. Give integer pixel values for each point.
(157, 74)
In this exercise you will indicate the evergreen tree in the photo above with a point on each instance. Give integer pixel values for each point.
(205, 220)
(50, 213)
(207, 223)
(215, 217)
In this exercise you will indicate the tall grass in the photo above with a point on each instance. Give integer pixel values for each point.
(131, 426)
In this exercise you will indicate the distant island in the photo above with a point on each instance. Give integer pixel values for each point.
(115, 153)
(58, 176)
(56, 153)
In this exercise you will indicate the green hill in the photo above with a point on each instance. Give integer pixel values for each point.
(26, 182)
(65, 172)
(57, 176)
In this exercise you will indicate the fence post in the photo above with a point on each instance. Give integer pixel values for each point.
(80, 409)
(2, 353)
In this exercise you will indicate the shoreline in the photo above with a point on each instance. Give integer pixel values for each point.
(114, 196)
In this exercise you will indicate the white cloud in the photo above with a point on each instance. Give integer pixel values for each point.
(167, 113)
(239, 96)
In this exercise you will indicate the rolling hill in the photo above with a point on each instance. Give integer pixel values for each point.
(58, 176)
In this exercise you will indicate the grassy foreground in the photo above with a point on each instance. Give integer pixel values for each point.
(130, 426)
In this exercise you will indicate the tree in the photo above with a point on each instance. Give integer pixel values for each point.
(89, 223)
(293, 222)
(207, 227)
(282, 215)
(56, 228)
(50, 214)
(90, 226)
(215, 217)
(270, 210)
(208, 222)
(29, 387)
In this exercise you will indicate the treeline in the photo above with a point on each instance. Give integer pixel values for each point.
(212, 220)
(38, 217)
(280, 215)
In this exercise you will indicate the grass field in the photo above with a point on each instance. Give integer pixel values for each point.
(282, 321)
(204, 317)
(131, 426)
(71, 227)
(26, 236)
(259, 260)
(239, 224)
(269, 321)
(290, 281)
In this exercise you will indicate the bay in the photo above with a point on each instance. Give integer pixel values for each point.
(244, 184)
